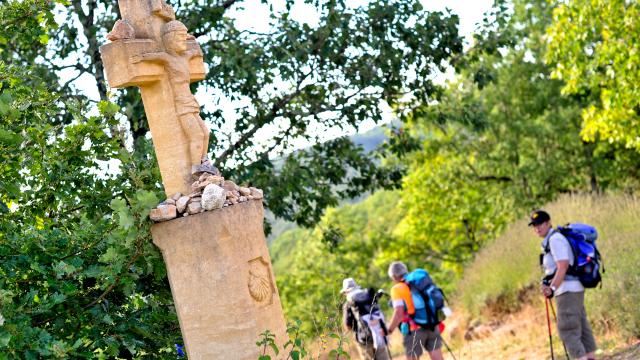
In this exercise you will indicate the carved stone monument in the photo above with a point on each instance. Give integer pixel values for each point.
(217, 261)
(152, 50)
(221, 280)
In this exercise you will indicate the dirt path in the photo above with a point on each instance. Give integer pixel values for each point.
(630, 353)
(520, 336)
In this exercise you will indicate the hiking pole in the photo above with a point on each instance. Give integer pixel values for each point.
(388, 347)
(553, 311)
(448, 348)
(546, 302)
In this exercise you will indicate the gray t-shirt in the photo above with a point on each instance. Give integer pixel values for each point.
(559, 250)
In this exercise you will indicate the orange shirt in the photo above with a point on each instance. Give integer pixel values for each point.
(401, 296)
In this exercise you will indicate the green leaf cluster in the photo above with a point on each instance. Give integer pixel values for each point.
(593, 46)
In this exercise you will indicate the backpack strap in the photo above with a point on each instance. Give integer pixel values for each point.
(573, 268)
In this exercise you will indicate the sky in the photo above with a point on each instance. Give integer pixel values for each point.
(470, 13)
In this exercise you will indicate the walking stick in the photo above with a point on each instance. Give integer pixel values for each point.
(553, 311)
(549, 327)
(448, 348)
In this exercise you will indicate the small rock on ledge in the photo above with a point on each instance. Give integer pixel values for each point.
(210, 191)
(163, 213)
(213, 197)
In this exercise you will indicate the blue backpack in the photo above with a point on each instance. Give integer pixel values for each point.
(587, 259)
(428, 299)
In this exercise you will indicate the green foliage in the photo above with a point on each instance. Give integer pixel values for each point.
(295, 347)
(267, 341)
(288, 85)
(79, 275)
(510, 264)
(26, 25)
(309, 271)
(493, 150)
(594, 48)
(489, 150)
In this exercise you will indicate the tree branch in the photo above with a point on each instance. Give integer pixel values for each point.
(115, 282)
(228, 3)
(93, 49)
(275, 109)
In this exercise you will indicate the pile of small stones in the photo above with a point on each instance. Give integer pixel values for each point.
(209, 192)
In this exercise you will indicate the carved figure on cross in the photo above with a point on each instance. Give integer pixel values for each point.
(175, 60)
(151, 50)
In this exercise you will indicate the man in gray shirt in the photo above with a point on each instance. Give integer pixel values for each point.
(573, 326)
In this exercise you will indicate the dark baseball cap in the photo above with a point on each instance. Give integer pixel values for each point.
(538, 217)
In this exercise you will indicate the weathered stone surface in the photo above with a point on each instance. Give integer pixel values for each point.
(230, 185)
(194, 207)
(242, 199)
(163, 213)
(169, 202)
(198, 186)
(182, 202)
(222, 282)
(211, 179)
(204, 176)
(213, 197)
(176, 196)
(244, 191)
(256, 193)
(132, 60)
(122, 30)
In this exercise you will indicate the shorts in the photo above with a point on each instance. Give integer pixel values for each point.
(573, 326)
(422, 338)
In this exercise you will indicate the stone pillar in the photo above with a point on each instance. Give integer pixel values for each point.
(221, 279)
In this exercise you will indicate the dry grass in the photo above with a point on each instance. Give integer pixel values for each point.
(496, 282)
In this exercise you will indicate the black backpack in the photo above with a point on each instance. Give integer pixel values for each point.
(363, 302)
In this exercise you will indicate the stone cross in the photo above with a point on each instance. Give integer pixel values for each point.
(152, 50)
(218, 262)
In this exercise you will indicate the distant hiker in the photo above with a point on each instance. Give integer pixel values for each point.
(415, 336)
(361, 314)
(557, 258)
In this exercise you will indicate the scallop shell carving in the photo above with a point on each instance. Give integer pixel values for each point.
(259, 287)
(259, 282)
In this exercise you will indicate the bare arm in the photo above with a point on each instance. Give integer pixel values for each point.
(558, 278)
(563, 266)
(398, 315)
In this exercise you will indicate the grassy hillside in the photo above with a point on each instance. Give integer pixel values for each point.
(507, 269)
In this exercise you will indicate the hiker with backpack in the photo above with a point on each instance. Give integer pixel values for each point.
(414, 314)
(361, 314)
(567, 272)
